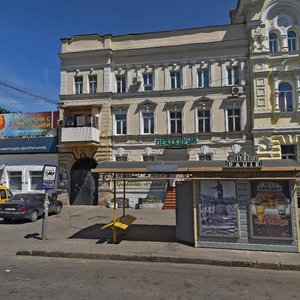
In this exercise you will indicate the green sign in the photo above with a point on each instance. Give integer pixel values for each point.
(176, 141)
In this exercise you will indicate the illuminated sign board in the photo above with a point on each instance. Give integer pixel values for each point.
(243, 161)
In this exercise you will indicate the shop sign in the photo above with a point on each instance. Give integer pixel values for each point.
(219, 208)
(176, 141)
(141, 185)
(162, 168)
(270, 210)
(243, 161)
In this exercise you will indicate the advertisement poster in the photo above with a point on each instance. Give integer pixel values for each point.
(219, 208)
(34, 124)
(270, 210)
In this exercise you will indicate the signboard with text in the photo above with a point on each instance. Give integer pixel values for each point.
(49, 177)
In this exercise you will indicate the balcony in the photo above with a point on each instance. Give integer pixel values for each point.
(80, 134)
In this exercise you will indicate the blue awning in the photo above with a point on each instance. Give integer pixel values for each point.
(28, 145)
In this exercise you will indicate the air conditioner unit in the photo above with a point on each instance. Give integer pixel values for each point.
(136, 81)
(237, 90)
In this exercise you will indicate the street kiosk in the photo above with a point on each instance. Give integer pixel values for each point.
(241, 203)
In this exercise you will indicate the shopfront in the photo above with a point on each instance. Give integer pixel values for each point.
(242, 203)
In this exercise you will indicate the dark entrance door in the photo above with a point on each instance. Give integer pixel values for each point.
(84, 184)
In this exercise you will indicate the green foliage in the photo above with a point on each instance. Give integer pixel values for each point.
(152, 199)
(4, 111)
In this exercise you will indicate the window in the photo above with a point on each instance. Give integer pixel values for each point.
(121, 84)
(285, 97)
(203, 78)
(234, 119)
(36, 180)
(292, 41)
(175, 121)
(175, 80)
(273, 42)
(289, 152)
(148, 81)
(78, 84)
(15, 180)
(148, 157)
(233, 75)
(203, 120)
(121, 157)
(93, 84)
(204, 157)
(121, 123)
(148, 122)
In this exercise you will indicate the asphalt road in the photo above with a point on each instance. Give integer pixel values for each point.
(49, 278)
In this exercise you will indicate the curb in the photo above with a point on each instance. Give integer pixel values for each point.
(164, 259)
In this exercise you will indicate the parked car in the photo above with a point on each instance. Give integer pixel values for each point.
(28, 206)
(5, 194)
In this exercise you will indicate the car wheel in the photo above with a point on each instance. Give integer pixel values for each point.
(34, 216)
(58, 209)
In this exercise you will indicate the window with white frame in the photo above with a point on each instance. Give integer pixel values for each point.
(289, 152)
(233, 75)
(93, 84)
(203, 118)
(121, 83)
(273, 42)
(285, 97)
(175, 79)
(204, 157)
(123, 157)
(15, 180)
(233, 119)
(148, 157)
(175, 119)
(148, 81)
(36, 180)
(292, 41)
(203, 78)
(147, 122)
(121, 123)
(78, 80)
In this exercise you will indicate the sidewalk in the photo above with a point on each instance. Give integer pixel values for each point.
(76, 233)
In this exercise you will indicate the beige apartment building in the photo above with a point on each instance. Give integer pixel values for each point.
(191, 94)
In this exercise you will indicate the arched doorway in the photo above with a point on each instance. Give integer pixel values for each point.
(84, 184)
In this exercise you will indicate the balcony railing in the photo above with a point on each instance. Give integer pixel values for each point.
(80, 134)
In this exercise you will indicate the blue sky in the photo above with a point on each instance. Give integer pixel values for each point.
(31, 31)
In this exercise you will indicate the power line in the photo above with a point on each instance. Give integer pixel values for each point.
(36, 96)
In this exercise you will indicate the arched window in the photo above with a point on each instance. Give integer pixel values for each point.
(285, 97)
(292, 41)
(273, 42)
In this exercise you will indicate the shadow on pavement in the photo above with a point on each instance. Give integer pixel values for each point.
(135, 232)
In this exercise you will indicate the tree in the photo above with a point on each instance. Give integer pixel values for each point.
(4, 111)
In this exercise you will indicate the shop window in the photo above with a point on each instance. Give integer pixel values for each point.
(78, 84)
(148, 81)
(204, 157)
(285, 97)
(233, 75)
(15, 180)
(93, 84)
(148, 157)
(121, 83)
(273, 42)
(121, 157)
(175, 79)
(203, 78)
(292, 41)
(36, 180)
(289, 152)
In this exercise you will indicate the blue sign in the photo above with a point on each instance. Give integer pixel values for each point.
(49, 177)
(162, 168)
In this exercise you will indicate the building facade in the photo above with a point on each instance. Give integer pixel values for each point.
(194, 94)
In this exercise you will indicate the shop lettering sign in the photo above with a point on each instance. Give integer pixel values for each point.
(243, 161)
(176, 141)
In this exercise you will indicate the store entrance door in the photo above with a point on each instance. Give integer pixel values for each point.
(84, 184)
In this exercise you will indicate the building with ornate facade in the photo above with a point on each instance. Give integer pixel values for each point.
(191, 94)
